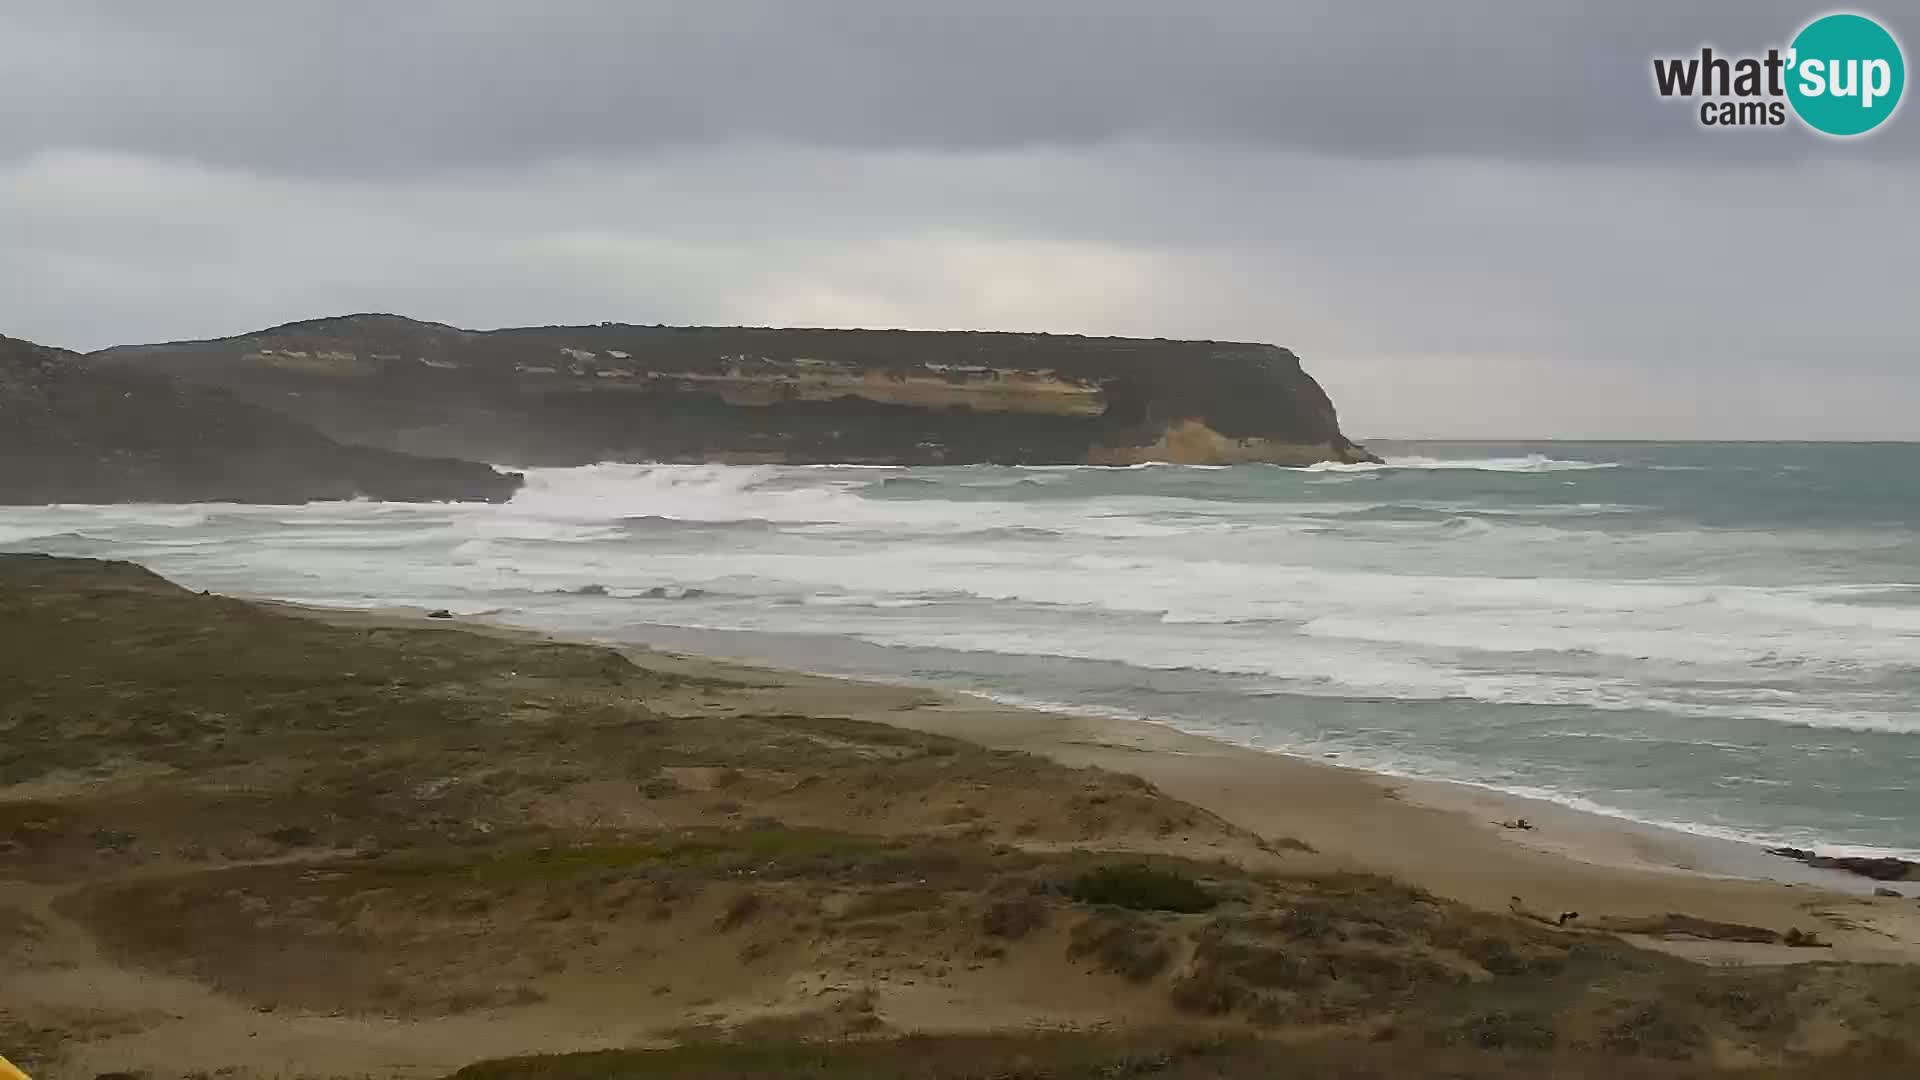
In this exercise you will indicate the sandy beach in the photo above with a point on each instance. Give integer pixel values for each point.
(243, 838)
(1443, 837)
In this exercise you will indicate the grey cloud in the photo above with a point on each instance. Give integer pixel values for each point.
(1472, 219)
(1545, 298)
(362, 87)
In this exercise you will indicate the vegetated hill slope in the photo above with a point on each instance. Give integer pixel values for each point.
(564, 395)
(232, 836)
(71, 432)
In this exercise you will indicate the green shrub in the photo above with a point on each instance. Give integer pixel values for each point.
(1141, 888)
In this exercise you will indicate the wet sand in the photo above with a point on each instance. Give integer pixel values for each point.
(1443, 837)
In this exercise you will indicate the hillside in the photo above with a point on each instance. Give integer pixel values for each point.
(238, 840)
(70, 432)
(565, 395)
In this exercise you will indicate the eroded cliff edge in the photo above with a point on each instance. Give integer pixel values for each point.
(74, 433)
(568, 395)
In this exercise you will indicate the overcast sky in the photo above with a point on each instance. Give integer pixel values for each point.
(1471, 219)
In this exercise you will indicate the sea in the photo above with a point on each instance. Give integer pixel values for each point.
(1723, 638)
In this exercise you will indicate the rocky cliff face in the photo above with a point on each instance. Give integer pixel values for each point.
(71, 432)
(577, 394)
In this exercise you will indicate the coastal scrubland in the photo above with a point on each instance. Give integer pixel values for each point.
(239, 839)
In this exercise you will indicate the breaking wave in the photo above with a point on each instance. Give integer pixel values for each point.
(1529, 463)
(1473, 613)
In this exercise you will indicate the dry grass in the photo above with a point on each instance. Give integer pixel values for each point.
(1279, 954)
(419, 823)
(1169, 1055)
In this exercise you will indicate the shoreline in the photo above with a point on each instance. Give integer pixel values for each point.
(1590, 836)
(1442, 836)
(1707, 851)
(254, 838)
(1704, 852)
(1605, 837)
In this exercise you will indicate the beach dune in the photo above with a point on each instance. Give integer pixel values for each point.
(254, 839)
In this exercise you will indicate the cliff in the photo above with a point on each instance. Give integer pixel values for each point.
(563, 395)
(72, 432)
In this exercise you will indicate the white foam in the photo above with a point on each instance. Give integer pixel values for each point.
(812, 498)
(1530, 463)
(1275, 581)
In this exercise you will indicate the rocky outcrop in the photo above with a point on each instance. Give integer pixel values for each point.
(571, 395)
(74, 432)
(1879, 868)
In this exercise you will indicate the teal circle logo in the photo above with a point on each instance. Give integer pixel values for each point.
(1845, 74)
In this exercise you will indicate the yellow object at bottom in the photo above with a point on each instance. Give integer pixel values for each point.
(9, 1072)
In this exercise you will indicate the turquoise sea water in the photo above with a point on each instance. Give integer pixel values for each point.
(1724, 637)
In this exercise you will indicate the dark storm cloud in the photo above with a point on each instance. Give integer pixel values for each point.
(1472, 219)
(370, 86)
